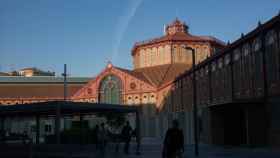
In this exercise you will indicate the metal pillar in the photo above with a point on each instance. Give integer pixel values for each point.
(65, 82)
(194, 100)
(37, 129)
(2, 127)
(57, 124)
(194, 104)
(247, 126)
(82, 138)
(138, 132)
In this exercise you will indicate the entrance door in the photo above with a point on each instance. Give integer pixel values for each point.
(234, 126)
(228, 125)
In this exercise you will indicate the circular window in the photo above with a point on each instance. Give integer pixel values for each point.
(132, 85)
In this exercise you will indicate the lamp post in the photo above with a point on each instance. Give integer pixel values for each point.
(194, 100)
(65, 82)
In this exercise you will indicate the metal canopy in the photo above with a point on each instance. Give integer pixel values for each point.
(62, 108)
(65, 107)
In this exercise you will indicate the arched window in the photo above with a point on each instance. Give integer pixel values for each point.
(257, 44)
(270, 38)
(236, 55)
(246, 49)
(227, 59)
(213, 66)
(110, 90)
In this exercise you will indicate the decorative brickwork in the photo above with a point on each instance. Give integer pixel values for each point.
(169, 49)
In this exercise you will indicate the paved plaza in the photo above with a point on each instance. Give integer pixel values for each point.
(149, 149)
(152, 149)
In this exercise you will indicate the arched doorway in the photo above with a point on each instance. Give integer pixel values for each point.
(110, 89)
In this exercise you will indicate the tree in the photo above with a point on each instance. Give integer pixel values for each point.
(114, 120)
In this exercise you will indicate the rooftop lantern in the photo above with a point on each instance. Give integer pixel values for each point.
(175, 27)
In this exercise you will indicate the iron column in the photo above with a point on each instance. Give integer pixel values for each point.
(194, 101)
(65, 82)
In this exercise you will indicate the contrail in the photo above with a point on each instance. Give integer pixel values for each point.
(122, 26)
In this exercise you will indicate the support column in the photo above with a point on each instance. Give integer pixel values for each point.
(37, 129)
(2, 127)
(247, 126)
(57, 124)
(82, 138)
(138, 132)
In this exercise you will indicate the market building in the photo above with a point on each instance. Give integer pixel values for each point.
(236, 85)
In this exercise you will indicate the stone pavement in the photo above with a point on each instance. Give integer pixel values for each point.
(153, 150)
(149, 149)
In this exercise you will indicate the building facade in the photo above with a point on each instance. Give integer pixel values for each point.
(28, 72)
(237, 85)
(237, 90)
(157, 62)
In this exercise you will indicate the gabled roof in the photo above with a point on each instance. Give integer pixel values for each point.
(157, 75)
(135, 74)
(162, 74)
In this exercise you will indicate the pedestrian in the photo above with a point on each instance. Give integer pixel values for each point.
(102, 136)
(173, 146)
(24, 137)
(2, 135)
(126, 134)
(95, 136)
(133, 133)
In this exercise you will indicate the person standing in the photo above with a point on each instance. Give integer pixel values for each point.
(173, 146)
(126, 134)
(102, 136)
(95, 136)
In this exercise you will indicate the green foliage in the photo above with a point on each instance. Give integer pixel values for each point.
(79, 133)
(114, 120)
(76, 136)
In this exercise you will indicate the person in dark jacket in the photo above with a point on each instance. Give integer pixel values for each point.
(126, 134)
(173, 146)
(95, 136)
(102, 137)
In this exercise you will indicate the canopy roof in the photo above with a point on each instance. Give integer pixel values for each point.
(66, 108)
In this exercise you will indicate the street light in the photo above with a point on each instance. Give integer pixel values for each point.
(64, 74)
(194, 100)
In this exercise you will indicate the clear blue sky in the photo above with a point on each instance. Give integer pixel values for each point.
(86, 33)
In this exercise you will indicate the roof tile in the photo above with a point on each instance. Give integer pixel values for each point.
(158, 75)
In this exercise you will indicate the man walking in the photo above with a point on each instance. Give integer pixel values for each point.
(173, 146)
(102, 137)
(126, 134)
(95, 136)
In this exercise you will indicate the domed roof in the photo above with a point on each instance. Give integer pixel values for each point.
(174, 32)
